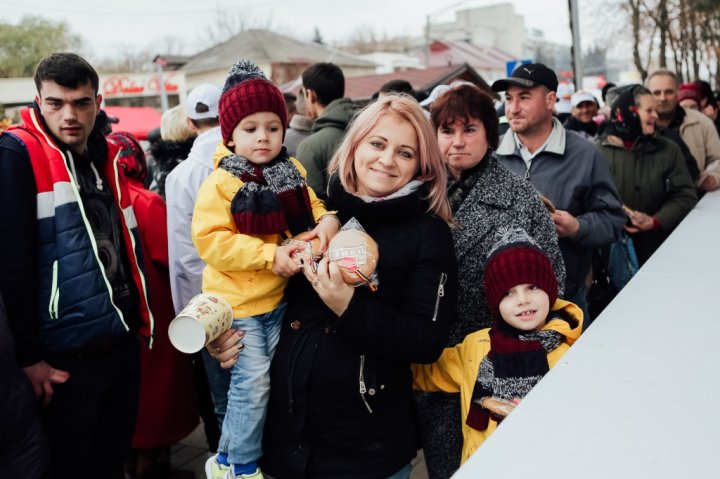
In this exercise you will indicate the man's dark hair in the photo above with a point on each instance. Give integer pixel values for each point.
(66, 69)
(326, 80)
(290, 99)
(398, 86)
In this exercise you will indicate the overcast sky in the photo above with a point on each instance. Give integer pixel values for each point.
(139, 24)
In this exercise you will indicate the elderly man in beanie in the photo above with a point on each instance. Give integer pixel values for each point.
(564, 167)
(494, 369)
(256, 197)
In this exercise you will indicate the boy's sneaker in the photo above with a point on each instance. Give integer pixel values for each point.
(215, 470)
(255, 475)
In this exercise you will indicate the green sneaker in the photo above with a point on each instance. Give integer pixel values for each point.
(255, 475)
(215, 470)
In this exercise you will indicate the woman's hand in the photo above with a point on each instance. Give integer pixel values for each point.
(283, 264)
(640, 222)
(329, 284)
(227, 347)
(325, 230)
(707, 182)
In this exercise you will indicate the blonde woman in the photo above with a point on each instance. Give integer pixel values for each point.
(341, 400)
(172, 147)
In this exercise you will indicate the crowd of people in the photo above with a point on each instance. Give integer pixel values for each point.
(490, 240)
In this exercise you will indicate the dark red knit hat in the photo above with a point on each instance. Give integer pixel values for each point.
(247, 91)
(690, 90)
(516, 259)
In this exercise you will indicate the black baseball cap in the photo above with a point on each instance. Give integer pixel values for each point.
(530, 75)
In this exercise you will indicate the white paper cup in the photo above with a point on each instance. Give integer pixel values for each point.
(205, 318)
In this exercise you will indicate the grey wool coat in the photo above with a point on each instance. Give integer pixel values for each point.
(499, 199)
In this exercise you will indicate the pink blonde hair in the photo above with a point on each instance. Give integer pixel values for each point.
(431, 168)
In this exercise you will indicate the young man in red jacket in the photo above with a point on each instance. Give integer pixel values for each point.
(69, 271)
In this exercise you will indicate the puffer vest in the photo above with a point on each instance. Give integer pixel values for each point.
(74, 296)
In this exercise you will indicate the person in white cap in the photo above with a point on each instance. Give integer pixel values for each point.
(181, 187)
(584, 109)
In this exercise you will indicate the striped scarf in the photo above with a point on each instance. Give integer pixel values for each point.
(516, 362)
(274, 197)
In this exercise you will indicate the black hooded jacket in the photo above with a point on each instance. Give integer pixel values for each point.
(340, 403)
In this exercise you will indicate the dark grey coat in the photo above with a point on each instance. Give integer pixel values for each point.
(23, 447)
(498, 199)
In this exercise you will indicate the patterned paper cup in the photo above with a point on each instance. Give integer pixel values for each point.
(205, 318)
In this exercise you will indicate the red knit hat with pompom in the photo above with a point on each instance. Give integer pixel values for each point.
(248, 91)
(516, 259)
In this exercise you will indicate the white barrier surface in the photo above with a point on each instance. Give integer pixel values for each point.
(638, 396)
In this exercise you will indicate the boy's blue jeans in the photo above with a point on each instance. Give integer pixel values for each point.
(250, 387)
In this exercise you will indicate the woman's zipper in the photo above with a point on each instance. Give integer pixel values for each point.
(440, 294)
(363, 388)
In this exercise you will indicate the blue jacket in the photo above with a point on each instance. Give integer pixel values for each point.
(74, 307)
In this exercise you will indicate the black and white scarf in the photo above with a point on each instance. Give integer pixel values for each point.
(458, 189)
(273, 198)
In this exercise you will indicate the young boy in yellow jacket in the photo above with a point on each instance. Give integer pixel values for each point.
(256, 197)
(493, 369)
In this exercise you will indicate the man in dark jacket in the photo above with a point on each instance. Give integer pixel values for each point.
(69, 271)
(323, 89)
(23, 447)
(564, 167)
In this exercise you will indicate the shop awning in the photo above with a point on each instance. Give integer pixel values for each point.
(137, 121)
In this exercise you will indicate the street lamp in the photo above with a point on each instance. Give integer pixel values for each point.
(160, 64)
(576, 50)
(427, 27)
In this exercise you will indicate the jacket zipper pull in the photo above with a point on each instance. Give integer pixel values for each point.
(440, 294)
(363, 388)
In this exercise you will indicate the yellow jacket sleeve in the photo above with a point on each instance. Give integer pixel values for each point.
(214, 232)
(445, 374)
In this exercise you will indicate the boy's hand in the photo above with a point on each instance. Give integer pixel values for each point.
(283, 264)
(497, 406)
(325, 230)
